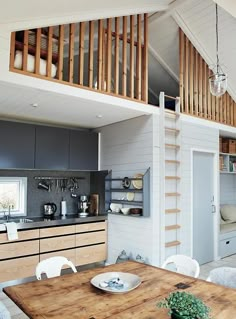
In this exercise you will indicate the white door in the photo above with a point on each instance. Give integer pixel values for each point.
(203, 207)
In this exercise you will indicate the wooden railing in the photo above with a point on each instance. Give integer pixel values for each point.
(195, 95)
(110, 56)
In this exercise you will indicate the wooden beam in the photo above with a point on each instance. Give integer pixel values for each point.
(131, 58)
(12, 50)
(71, 52)
(25, 50)
(117, 47)
(191, 62)
(60, 53)
(49, 52)
(145, 60)
(138, 58)
(91, 53)
(108, 56)
(196, 74)
(124, 58)
(37, 52)
(81, 52)
(100, 42)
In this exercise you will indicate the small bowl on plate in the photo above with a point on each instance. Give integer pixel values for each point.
(125, 210)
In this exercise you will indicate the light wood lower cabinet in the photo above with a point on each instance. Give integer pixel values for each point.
(82, 244)
(91, 254)
(18, 268)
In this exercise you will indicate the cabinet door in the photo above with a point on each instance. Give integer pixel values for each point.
(52, 148)
(17, 145)
(83, 150)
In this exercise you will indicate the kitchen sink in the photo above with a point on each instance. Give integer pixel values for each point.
(16, 220)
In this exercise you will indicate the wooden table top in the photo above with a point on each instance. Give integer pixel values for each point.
(72, 295)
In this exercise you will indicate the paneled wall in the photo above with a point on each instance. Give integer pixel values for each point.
(195, 95)
(127, 148)
(227, 189)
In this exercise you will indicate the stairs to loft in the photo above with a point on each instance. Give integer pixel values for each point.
(170, 149)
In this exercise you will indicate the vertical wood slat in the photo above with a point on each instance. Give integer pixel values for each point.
(103, 60)
(209, 104)
(196, 82)
(117, 46)
(181, 68)
(224, 108)
(191, 79)
(220, 109)
(108, 55)
(12, 49)
(233, 106)
(131, 62)
(204, 90)
(228, 108)
(231, 111)
(138, 58)
(186, 87)
(37, 51)
(60, 53)
(100, 43)
(124, 58)
(200, 86)
(145, 60)
(81, 52)
(91, 52)
(49, 52)
(71, 52)
(25, 50)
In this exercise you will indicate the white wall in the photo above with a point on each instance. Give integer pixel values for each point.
(227, 189)
(127, 148)
(199, 137)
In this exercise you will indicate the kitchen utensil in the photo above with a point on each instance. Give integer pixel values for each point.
(138, 184)
(43, 185)
(49, 209)
(130, 196)
(126, 182)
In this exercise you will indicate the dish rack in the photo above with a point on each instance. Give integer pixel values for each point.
(116, 193)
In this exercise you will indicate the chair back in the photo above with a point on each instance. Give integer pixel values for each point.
(52, 266)
(4, 313)
(184, 265)
(225, 276)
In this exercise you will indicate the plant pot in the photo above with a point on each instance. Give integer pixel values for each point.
(175, 315)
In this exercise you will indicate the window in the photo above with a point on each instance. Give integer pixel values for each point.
(13, 194)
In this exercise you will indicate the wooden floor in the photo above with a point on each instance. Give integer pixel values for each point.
(16, 313)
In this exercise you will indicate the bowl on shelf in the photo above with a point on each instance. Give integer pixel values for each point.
(125, 210)
(136, 211)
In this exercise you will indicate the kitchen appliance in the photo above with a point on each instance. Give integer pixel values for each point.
(49, 209)
(83, 203)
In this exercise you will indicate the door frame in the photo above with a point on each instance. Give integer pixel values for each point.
(216, 199)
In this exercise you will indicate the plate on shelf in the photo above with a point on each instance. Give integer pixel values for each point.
(126, 182)
(115, 208)
(130, 196)
(116, 282)
(138, 184)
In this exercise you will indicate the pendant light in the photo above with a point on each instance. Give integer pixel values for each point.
(218, 80)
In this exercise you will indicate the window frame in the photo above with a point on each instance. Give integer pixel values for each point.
(22, 194)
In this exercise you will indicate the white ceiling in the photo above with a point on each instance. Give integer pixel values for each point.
(17, 101)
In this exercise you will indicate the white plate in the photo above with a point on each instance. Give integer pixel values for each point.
(138, 184)
(130, 196)
(130, 281)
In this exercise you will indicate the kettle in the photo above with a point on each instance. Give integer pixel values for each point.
(49, 209)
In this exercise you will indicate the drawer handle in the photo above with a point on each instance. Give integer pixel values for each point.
(227, 242)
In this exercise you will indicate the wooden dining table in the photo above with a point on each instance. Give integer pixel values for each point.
(73, 296)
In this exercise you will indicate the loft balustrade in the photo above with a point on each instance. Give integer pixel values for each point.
(109, 55)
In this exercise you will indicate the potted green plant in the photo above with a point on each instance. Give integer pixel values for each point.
(183, 305)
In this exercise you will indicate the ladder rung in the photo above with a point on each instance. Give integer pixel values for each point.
(172, 177)
(172, 227)
(172, 194)
(172, 211)
(172, 146)
(172, 162)
(172, 130)
(170, 112)
(173, 243)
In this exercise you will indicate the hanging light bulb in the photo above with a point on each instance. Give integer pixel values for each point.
(218, 80)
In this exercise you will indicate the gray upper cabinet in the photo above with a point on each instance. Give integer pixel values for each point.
(17, 145)
(83, 150)
(51, 148)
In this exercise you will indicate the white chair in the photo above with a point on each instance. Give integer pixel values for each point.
(225, 276)
(183, 264)
(4, 313)
(52, 266)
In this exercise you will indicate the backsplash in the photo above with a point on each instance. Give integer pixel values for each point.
(36, 198)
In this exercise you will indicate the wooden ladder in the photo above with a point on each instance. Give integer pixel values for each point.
(170, 150)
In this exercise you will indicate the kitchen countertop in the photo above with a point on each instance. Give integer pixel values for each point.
(40, 222)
